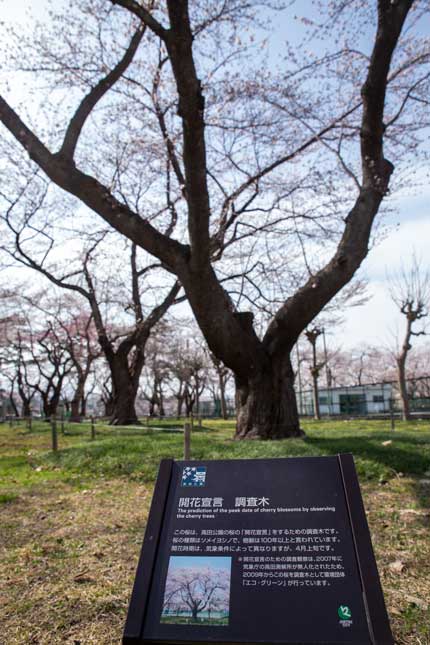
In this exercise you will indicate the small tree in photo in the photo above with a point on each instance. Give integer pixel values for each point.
(198, 593)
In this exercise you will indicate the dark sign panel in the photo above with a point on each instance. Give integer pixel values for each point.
(258, 551)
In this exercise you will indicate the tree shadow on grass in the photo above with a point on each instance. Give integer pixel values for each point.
(401, 456)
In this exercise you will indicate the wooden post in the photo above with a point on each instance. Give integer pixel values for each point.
(62, 421)
(93, 429)
(187, 441)
(54, 433)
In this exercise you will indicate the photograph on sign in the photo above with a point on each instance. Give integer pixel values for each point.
(197, 590)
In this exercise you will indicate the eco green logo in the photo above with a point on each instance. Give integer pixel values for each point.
(344, 612)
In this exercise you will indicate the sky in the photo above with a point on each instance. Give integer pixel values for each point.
(184, 561)
(378, 321)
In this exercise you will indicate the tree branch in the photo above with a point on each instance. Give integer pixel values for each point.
(94, 194)
(144, 15)
(77, 122)
(307, 302)
(284, 159)
(191, 110)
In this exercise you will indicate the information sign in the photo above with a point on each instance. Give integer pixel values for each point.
(258, 551)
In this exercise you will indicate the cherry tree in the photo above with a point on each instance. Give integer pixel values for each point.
(80, 338)
(218, 385)
(258, 169)
(189, 367)
(157, 369)
(120, 310)
(48, 356)
(196, 589)
(410, 291)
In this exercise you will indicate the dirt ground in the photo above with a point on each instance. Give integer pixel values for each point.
(68, 557)
(68, 560)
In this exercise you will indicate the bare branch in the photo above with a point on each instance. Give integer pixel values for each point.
(145, 16)
(93, 193)
(86, 106)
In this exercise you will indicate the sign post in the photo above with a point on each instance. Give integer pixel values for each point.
(257, 551)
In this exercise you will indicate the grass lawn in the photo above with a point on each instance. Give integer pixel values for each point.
(72, 523)
(183, 620)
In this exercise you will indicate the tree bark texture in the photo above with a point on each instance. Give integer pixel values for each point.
(109, 407)
(266, 405)
(223, 402)
(26, 409)
(180, 403)
(403, 390)
(401, 366)
(315, 394)
(312, 336)
(125, 381)
(76, 403)
(13, 405)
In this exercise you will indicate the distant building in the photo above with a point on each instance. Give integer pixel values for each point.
(212, 407)
(357, 400)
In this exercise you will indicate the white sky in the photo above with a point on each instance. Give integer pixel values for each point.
(378, 320)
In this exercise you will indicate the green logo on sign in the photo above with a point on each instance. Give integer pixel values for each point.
(344, 612)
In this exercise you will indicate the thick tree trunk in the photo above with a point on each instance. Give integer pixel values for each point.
(13, 405)
(401, 364)
(179, 406)
(401, 376)
(124, 406)
(44, 406)
(83, 404)
(312, 336)
(197, 397)
(25, 400)
(75, 415)
(223, 401)
(189, 399)
(25, 408)
(189, 405)
(159, 396)
(315, 394)
(161, 409)
(109, 407)
(266, 405)
(50, 408)
(74, 410)
(125, 385)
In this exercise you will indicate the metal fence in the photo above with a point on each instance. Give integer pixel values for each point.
(367, 400)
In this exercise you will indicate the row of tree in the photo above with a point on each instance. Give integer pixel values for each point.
(51, 352)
